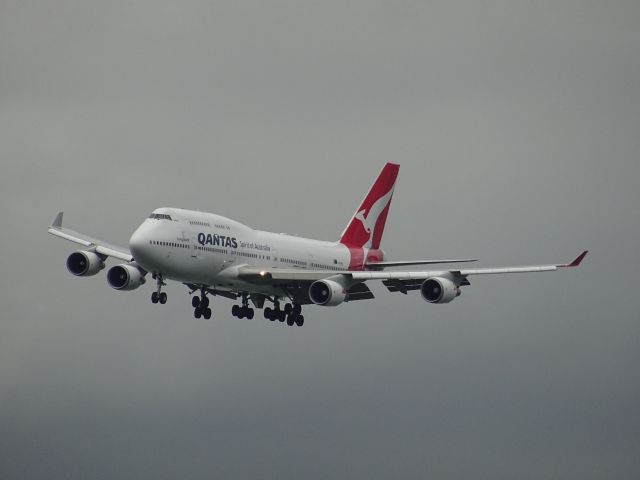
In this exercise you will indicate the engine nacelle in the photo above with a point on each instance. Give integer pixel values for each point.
(84, 264)
(439, 290)
(327, 293)
(125, 277)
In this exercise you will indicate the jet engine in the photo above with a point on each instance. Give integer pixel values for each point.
(327, 293)
(84, 264)
(439, 290)
(125, 277)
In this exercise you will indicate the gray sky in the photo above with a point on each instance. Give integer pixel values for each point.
(516, 125)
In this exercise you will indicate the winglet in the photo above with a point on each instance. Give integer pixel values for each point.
(577, 260)
(57, 222)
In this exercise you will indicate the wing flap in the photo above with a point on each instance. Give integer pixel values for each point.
(359, 291)
(403, 286)
(407, 263)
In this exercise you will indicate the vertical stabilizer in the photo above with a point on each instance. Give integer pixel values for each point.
(367, 225)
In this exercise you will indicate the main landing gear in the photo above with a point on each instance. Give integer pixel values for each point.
(201, 305)
(291, 313)
(159, 295)
(244, 311)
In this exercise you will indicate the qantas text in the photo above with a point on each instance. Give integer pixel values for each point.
(218, 240)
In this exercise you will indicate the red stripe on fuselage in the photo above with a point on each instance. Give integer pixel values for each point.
(357, 259)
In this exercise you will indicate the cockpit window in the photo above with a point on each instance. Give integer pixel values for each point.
(160, 216)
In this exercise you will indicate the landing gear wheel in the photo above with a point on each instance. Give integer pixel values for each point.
(290, 320)
(204, 302)
(206, 313)
(235, 311)
(158, 295)
(297, 309)
(197, 312)
(300, 320)
(195, 302)
(288, 308)
(250, 313)
(268, 314)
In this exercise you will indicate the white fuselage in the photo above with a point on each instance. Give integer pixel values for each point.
(203, 248)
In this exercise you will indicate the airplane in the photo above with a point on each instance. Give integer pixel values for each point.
(216, 256)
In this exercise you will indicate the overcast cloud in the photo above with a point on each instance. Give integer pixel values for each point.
(516, 125)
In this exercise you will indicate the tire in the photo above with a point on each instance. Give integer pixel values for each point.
(300, 320)
(268, 313)
(163, 298)
(204, 301)
(288, 308)
(207, 313)
(197, 312)
(250, 313)
(297, 309)
(154, 297)
(290, 320)
(235, 311)
(195, 302)
(281, 316)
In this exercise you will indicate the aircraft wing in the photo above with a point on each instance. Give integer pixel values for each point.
(394, 281)
(466, 272)
(98, 246)
(405, 281)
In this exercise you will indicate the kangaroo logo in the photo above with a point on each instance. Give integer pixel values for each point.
(360, 216)
(371, 218)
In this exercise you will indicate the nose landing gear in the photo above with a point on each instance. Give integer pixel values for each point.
(159, 295)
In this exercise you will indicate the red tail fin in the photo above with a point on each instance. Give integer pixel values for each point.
(367, 225)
